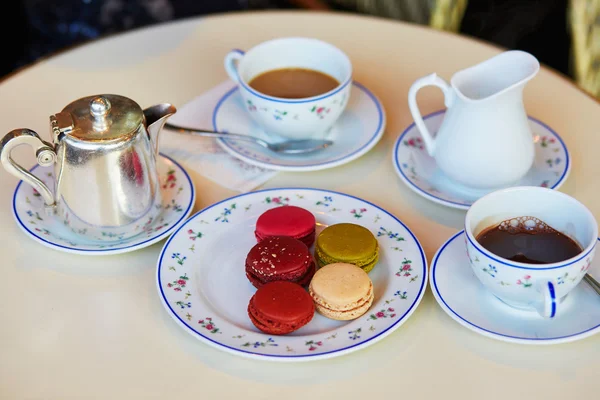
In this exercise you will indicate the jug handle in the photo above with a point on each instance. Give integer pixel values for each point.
(429, 80)
(44, 152)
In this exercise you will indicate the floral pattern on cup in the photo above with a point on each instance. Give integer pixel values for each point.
(525, 281)
(279, 115)
(250, 105)
(490, 270)
(320, 111)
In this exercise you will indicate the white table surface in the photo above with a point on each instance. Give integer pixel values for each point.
(76, 327)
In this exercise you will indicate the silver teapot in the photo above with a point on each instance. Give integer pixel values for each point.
(104, 152)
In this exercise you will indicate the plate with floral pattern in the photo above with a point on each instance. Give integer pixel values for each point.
(202, 283)
(178, 196)
(464, 298)
(357, 130)
(418, 170)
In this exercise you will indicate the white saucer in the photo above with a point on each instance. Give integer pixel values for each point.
(418, 170)
(465, 299)
(202, 282)
(357, 130)
(178, 200)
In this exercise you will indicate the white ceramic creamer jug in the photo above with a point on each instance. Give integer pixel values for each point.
(485, 141)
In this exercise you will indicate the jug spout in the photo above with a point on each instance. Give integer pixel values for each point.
(500, 74)
(156, 116)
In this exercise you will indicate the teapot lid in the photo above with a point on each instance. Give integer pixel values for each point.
(100, 117)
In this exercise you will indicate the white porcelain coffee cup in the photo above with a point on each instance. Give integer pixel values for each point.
(302, 118)
(528, 286)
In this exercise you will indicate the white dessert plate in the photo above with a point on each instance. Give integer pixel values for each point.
(202, 282)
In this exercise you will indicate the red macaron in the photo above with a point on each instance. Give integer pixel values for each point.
(280, 307)
(289, 221)
(279, 258)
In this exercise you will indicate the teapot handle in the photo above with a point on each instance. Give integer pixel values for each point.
(44, 152)
(429, 80)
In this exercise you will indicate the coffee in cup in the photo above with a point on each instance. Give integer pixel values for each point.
(530, 246)
(293, 88)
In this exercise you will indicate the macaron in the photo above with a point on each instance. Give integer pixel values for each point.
(279, 258)
(341, 291)
(347, 243)
(288, 221)
(280, 307)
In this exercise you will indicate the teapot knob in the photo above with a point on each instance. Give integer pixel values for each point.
(100, 107)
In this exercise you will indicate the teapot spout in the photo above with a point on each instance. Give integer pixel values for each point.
(156, 116)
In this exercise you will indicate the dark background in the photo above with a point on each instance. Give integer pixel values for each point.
(37, 28)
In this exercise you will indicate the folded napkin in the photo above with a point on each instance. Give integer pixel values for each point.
(205, 155)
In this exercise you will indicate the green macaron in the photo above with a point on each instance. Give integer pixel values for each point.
(347, 243)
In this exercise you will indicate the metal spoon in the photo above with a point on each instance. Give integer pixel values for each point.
(288, 147)
(592, 282)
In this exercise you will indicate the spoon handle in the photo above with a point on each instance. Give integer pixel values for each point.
(201, 132)
(592, 282)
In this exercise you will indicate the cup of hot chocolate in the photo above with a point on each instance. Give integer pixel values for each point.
(295, 88)
(530, 246)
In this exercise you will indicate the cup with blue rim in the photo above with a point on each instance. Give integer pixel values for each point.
(535, 287)
(294, 119)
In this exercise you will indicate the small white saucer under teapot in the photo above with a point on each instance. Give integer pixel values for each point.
(176, 191)
(484, 141)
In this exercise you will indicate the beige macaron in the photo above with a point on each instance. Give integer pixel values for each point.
(341, 291)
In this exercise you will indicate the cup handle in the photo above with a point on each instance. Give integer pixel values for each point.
(44, 152)
(548, 305)
(429, 80)
(232, 59)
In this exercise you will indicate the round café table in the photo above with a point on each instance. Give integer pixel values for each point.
(77, 327)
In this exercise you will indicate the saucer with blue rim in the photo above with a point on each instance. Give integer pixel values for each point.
(178, 196)
(460, 294)
(357, 131)
(419, 171)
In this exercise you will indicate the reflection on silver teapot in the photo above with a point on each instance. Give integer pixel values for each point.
(104, 151)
